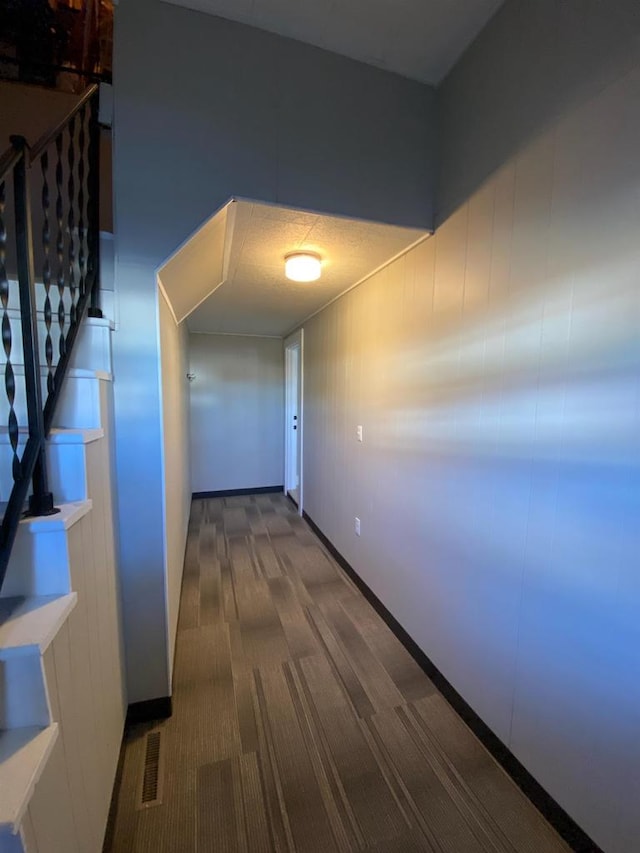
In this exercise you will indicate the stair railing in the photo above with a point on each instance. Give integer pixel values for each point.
(51, 189)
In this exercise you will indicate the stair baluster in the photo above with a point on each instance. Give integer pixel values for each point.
(41, 500)
(76, 140)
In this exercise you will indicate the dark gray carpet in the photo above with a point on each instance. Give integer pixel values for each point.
(300, 722)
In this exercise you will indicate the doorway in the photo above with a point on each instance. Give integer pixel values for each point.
(294, 384)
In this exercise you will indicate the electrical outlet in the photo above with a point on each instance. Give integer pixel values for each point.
(359, 433)
(357, 526)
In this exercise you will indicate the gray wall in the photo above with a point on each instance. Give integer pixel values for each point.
(534, 63)
(228, 110)
(205, 109)
(495, 371)
(237, 412)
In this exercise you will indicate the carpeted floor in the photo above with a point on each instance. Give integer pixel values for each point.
(300, 722)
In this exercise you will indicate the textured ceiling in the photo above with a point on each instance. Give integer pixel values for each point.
(420, 39)
(245, 276)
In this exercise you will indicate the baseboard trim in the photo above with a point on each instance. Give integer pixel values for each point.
(230, 493)
(149, 710)
(110, 829)
(562, 822)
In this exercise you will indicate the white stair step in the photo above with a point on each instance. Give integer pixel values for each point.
(23, 756)
(10, 843)
(67, 516)
(68, 435)
(27, 627)
(92, 348)
(30, 624)
(58, 435)
(39, 562)
(66, 460)
(24, 700)
(79, 404)
(107, 284)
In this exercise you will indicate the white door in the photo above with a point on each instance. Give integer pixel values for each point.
(293, 417)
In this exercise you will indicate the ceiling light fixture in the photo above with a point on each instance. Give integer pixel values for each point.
(302, 266)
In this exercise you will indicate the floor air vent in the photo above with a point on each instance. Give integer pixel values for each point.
(151, 784)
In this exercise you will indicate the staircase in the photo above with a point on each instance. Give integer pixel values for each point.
(62, 702)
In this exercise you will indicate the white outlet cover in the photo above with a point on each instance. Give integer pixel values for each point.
(359, 432)
(357, 527)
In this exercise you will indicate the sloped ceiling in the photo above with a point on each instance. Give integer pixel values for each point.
(198, 267)
(420, 39)
(238, 286)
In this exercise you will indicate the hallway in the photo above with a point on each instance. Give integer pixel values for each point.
(299, 721)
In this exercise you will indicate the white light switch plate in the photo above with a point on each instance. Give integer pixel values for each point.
(357, 526)
(359, 432)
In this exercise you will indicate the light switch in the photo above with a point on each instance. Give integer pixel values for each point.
(359, 432)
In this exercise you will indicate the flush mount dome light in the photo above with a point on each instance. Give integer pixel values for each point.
(302, 266)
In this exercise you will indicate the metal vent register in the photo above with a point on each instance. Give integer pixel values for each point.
(152, 772)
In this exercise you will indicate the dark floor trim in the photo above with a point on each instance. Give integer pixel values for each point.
(149, 710)
(576, 837)
(230, 493)
(110, 830)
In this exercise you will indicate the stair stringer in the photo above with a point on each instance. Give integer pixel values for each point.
(83, 664)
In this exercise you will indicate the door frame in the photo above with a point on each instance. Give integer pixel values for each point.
(292, 343)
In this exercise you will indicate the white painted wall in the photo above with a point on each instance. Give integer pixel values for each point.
(237, 412)
(174, 355)
(495, 371)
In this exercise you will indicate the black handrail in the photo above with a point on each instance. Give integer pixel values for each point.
(47, 138)
(8, 161)
(74, 146)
